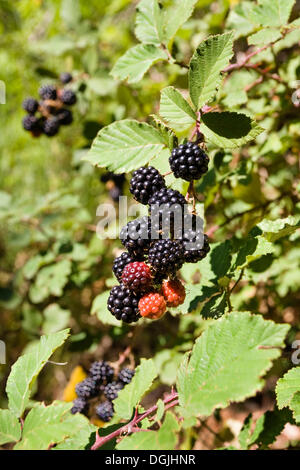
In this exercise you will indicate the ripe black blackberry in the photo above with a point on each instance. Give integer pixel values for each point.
(123, 304)
(145, 182)
(100, 371)
(111, 390)
(65, 117)
(65, 77)
(79, 406)
(188, 161)
(30, 105)
(51, 126)
(48, 92)
(136, 236)
(30, 123)
(68, 97)
(87, 388)
(105, 411)
(166, 256)
(195, 245)
(167, 207)
(120, 262)
(125, 375)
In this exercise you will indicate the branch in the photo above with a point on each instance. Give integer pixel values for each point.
(131, 427)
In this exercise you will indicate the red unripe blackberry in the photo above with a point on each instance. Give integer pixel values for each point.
(101, 372)
(111, 390)
(136, 236)
(166, 256)
(145, 182)
(120, 262)
(123, 304)
(188, 161)
(152, 306)
(174, 292)
(87, 388)
(125, 375)
(105, 411)
(137, 276)
(79, 406)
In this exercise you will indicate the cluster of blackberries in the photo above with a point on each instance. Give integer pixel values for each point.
(158, 244)
(47, 115)
(114, 183)
(101, 382)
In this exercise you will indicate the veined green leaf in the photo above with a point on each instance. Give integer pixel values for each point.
(287, 392)
(26, 369)
(136, 61)
(272, 12)
(228, 361)
(10, 428)
(176, 110)
(175, 16)
(229, 129)
(209, 59)
(125, 145)
(149, 22)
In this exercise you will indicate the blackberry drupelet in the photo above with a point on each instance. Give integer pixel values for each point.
(51, 126)
(100, 371)
(137, 276)
(145, 182)
(79, 406)
(120, 262)
(65, 117)
(123, 304)
(87, 388)
(68, 97)
(166, 256)
(111, 390)
(48, 92)
(125, 375)
(136, 236)
(105, 411)
(30, 123)
(30, 105)
(65, 77)
(188, 161)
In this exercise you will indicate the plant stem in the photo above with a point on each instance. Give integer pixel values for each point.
(131, 427)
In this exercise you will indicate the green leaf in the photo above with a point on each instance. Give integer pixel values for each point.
(264, 36)
(253, 249)
(160, 410)
(56, 318)
(149, 22)
(214, 307)
(229, 129)
(287, 392)
(239, 19)
(79, 441)
(238, 345)
(175, 16)
(133, 65)
(10, 428)
(50, 280)
(99, 307)
(125, 145)
(26, 369)
(176, 110)
(209, 59)
(272, 12)
(275, 229)
(45, 426)
(269, 426)
(131, 395)
(70, 12)
(163, 439)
